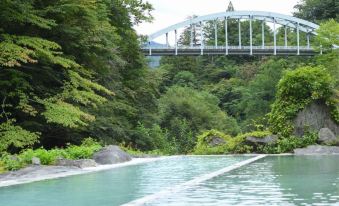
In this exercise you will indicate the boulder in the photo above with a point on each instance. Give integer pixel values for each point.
(317, 149)
(215, 141)
(36, 161)
(76, 163)
(270, 139)
(314, 117)
(111, 155)
(326, 136)
(14, 158)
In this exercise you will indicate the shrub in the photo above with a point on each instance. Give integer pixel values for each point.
(296, 90)
(2, 167)
(182, 136)
(153, 138)
(185, 78)
(242, 149)
(257, 134)
(48, 157)
(231, 145)
(199, 109)
(136, 152)
(13, 135)
(203, 147)
(288, 144)
(11, 162)
(84, 151)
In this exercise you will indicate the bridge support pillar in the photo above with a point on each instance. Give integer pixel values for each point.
(226, 35)
(251, 40)
(176, 42)
(167, 42)
(285, 27)
(308, 40)
(216, 33)
(150, 48)
(191, 44)
(202, 39)
(274, 37)
(263, 34)
(298, 40)
(239, 25)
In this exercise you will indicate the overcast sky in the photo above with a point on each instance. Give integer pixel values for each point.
(169, 12)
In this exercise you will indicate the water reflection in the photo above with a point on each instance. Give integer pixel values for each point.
(285, 180)
(113, 187)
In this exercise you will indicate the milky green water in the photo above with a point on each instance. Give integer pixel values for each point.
(284, 180)
(113, 187)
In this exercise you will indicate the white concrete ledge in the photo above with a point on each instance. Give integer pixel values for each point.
(150, 198)
(59, 172)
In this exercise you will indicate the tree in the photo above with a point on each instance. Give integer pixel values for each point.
(55, 55)
(317, 10)
(327, 35)
(296, 90)
(183, 109)
(24, 52)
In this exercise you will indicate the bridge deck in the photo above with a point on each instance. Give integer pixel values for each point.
(232, 50)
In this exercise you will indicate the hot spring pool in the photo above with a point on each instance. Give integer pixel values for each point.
(272, 180)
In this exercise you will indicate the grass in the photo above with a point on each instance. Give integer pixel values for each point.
(135, 152)
(256, 134)
(2, 167)
(48, 157)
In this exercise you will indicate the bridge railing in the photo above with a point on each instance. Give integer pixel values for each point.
(228, 47)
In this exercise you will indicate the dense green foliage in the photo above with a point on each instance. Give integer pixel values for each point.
(296, 90)
(48, 157)
(204, 139)
(328, 34)
(238, 144)
(60, 66)
(288, 144)
(317, 10)
(184, 112)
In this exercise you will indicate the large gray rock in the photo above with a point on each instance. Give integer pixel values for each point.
(14, 158)
(36, 171)
(270, 139)
(76, 163)
(215, 141)
(36, 161)
(313, 118)
(111, 155)
(326, 136)
(317, 149)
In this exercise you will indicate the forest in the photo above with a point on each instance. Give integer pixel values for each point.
(72, 73)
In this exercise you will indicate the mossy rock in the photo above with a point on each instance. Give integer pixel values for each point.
(258, 138)
(227, 144)
(212, 142)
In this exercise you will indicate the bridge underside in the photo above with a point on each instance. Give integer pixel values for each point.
(267, 51)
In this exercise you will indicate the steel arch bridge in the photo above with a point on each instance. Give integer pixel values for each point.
(286, 21)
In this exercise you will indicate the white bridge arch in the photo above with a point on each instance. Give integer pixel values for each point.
(275, 18)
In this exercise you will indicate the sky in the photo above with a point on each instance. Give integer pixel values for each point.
(169, 12)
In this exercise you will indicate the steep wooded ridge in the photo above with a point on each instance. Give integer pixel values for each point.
(73, 69)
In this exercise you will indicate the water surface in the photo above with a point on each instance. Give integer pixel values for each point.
(113, 187)
(283, 180)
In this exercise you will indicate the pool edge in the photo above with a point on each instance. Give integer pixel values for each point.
(20, 181)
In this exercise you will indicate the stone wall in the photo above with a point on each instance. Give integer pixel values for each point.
(313, 118)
